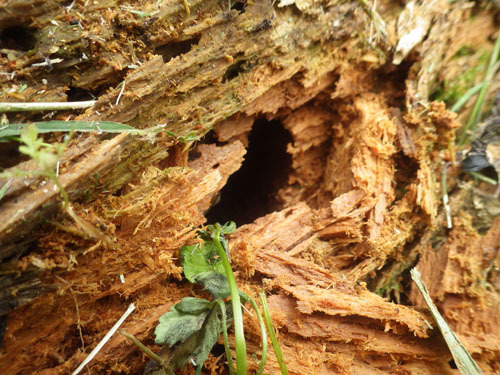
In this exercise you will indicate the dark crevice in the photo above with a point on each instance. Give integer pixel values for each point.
(252, 191)
(75, 94)
(452, 364)
(233, 71)
(239, 6)
(19, 38)
(174, 49)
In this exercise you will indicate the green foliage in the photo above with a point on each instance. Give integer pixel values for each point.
(198, 346)
(183, 319)
(45, 155)
(215, 283)
(199, 259)
(194, 325)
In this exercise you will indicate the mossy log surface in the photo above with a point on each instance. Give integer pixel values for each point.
(326, 153)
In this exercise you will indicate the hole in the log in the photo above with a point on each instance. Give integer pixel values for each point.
(76, 94)
(172, 50)
(239, 6)
(251, 192)
(233, 71)
(193, 154)
(3, 327)
(452, 364)
(10, 155)
(406, 170)
(218, 350)
(20, 38)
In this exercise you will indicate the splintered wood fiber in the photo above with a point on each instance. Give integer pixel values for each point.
(357, 199)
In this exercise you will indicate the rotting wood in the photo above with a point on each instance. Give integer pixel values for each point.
(345, 224)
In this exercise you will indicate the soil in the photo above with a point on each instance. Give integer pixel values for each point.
(328, 155)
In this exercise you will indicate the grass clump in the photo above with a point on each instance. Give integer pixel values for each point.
(45, 155)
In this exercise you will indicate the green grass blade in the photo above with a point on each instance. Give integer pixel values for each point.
(272, 334)
(263, 333)
(483, 178)
(229, 357)
(466, 365)
(475, 116)
(239, 334)
(68, 126)
(466, 97)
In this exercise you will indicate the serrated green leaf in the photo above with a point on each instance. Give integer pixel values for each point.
(176, 326)
(209, 336)
(198, 259)
(29, 136)
(192, 305)
(215, 283)
(198, 346)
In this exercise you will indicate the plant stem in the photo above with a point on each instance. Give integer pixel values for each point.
(155, 357)
(263, 333)
(48, 106)
(229, 357)
(272, 334)
(239, 334)
(475, 115)
(483, 178)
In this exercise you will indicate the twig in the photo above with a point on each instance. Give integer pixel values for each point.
(47, 62)
(105, 339)
(48, 106)
(446, 199)
(120, 94)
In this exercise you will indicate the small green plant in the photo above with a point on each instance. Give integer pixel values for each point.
(193, 326)
(45, 155)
